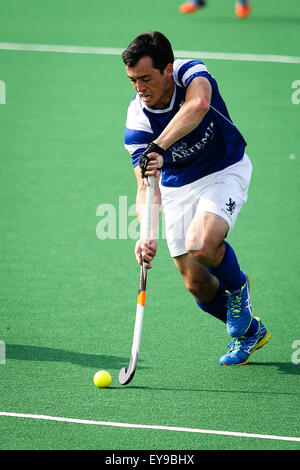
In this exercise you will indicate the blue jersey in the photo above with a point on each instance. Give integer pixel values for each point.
(214, 145)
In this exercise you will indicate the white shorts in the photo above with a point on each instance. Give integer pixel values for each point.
(223, 193)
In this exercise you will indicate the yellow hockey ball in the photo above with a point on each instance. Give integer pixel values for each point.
(102, 379)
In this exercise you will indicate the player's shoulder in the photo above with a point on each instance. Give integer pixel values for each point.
(183, 69)
(136, 118)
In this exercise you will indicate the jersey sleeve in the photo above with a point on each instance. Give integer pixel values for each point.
(138, 133)
(185, 70)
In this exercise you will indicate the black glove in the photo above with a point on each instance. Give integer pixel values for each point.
(144, 159)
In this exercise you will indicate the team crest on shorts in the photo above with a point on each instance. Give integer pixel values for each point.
(231, 205)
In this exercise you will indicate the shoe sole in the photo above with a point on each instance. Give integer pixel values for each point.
(259, 345)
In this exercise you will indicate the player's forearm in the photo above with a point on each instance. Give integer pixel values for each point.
(191, 113)
(140, 200)
(156, 210)
(185, 121)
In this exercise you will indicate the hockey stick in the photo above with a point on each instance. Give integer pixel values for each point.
(126, 374)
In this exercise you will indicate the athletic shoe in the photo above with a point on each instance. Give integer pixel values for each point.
(240, 349)
(242, 11)
(239, 310)
(190, 7)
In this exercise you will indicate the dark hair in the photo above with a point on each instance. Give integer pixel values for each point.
(154, 45)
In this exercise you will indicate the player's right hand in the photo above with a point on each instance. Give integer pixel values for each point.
(146, 251)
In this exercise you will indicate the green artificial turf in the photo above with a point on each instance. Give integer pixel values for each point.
(68, 298)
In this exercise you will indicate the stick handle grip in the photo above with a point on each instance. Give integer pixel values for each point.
(148, 208)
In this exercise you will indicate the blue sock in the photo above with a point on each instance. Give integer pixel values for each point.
(252, 328)
(228, 271)
(217, 306)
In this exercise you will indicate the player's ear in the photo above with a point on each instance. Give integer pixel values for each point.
(168, 70)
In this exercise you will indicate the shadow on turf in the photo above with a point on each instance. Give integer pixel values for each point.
(251, 392)
(285, 367)
(24, 352)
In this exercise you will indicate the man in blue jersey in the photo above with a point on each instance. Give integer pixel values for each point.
(178, 128)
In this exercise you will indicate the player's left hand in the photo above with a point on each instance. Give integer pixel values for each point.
(146, 251)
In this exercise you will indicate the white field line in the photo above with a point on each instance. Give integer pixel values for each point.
(148, 426)
(12, 46)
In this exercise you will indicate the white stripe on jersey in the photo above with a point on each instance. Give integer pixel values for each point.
(192, 70)
(178, 63)
(136, 118)
(222, 115)
(132, 148)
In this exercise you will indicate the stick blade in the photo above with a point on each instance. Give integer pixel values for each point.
(126, 375)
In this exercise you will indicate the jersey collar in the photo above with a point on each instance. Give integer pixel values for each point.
(165, 110)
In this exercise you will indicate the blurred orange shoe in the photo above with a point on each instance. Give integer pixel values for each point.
(242, 11)
(190, 7)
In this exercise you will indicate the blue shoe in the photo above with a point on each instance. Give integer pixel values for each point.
(240, 349)
(239, 310)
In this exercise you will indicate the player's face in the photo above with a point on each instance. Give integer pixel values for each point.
(155, 89)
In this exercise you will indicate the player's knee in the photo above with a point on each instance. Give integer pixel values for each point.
(198, 248)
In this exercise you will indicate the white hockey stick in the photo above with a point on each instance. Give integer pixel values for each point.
(126, 374)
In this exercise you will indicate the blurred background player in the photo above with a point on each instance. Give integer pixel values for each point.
(242, 7)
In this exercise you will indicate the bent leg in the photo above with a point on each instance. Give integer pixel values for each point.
(205, 244)
(205, 287)
(198, 281)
